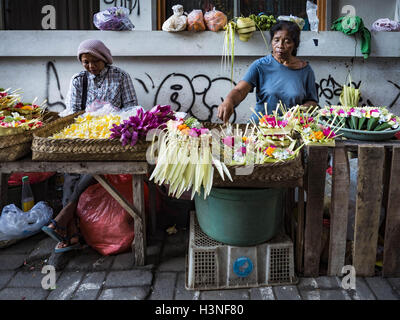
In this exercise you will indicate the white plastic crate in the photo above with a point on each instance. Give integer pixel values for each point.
(213, 265)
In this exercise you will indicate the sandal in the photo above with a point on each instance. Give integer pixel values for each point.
(52, 232)
(70, 247)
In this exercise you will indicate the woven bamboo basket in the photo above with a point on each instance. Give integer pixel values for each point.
(262, 174)
(17, 145)
(46, 149)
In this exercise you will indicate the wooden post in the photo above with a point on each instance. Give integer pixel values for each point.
(140, 225)
(368, 208)
(391, 251)
(153, 206)
(321, 13)
(3, 189)
(300, 232)
(316, 173)
(339, 211)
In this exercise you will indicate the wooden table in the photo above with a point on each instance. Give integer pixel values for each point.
(378, 185)
(138, 170)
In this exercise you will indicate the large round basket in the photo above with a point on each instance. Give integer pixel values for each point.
(45, 148)
(261, 175)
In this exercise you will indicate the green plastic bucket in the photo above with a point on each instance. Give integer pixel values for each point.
(241, 217)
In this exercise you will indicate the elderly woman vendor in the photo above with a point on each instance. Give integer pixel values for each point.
(279, 76)
(100, 81)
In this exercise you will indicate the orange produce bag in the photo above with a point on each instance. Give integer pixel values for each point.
(195, 21)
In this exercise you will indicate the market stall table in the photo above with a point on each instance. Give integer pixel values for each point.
(138, 170)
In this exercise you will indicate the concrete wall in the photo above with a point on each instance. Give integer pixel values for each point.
(184, 69)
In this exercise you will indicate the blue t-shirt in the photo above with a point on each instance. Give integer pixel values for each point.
(274, 82)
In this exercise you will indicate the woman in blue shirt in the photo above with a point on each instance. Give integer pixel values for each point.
(279, 76)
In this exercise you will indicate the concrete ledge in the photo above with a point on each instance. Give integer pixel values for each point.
(160, 43)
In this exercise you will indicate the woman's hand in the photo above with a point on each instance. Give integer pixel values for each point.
(236, 96)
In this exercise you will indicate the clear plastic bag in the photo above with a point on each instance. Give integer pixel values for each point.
(176, 22)
(300, 21)
(195, 21)
(102, 108)
(215, 20)
(16, 224)
(115, 19)
(311, 9)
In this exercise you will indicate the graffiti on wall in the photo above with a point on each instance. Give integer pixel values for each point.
(129, 4)
(200, 95)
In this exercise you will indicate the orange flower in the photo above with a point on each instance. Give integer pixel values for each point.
(270, 151)
(182, 127)
(318, 135)
(244, 139)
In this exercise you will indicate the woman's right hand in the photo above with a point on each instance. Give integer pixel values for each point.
(236, 96)
(225, 110)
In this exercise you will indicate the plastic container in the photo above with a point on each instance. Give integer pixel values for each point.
(27, 199)
(241, 217)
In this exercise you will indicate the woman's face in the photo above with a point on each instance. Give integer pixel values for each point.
(92, 64)
(282, 44)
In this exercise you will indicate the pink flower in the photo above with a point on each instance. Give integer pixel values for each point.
(328, 133)
(204, 131)
(242, 150)
(193, 133)
(229, 141)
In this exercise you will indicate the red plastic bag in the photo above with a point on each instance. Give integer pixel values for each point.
(34, 177)
(104, 224)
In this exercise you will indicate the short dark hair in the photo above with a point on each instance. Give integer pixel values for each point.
(293, 30)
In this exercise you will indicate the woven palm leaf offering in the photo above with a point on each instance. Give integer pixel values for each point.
(275, 140)
(9, 98)
(185, 158)
(315, 132)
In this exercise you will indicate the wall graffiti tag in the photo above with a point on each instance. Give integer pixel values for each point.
(129, 4)
(329, 89)
(200, 95)
(51, 67)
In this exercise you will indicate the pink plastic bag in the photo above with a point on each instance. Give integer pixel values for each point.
(104, 224)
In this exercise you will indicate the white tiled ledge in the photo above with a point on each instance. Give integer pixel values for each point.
(160, 43)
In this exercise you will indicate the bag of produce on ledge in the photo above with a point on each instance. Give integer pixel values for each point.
(114, 19)
(177, 22)
(215, 20)
(195, 21)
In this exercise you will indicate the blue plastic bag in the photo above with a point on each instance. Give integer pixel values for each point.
(114, 19)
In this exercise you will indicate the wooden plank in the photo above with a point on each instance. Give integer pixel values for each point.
(317, 165)
(339, 211)
(391, 250)
(300, 232)
(139, 243)
(117, 196)
(368, 207)
(92, 167)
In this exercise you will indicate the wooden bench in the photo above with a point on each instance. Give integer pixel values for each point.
(378, 185)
